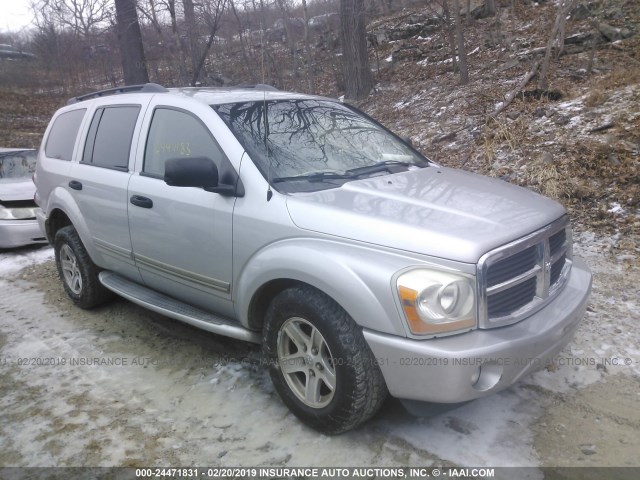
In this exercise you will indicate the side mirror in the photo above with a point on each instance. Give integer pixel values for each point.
(198, 172)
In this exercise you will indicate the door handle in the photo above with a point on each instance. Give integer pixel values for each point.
(76, 185)
(139, 201)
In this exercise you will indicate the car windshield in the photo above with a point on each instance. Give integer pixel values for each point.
(17, 164)
(314, 144)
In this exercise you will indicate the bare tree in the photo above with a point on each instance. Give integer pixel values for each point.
(241, 37)
(358, 79)
(285, 12)
(134, 65)
(462, 52)
(171, 7)
(82, 16)
(307, 49)
(192, 33)
(150, 12)
(449, 31)
(212, 13)
(558, 27)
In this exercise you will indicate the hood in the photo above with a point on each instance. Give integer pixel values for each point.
(433, 211)
(12, 189)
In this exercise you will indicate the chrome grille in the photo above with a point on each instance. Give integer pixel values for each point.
(505, 302)
(521, 277)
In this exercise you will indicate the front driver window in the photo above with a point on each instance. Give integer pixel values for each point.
(177, 134)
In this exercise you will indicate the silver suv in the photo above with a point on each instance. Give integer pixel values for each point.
(299, 223)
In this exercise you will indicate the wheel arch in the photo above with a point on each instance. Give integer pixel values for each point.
(264, 295)
(63, 211)
(57, 220)
(360, 287)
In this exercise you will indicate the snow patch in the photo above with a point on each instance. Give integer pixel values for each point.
(616, 208)
(490, 431)
(14, 261)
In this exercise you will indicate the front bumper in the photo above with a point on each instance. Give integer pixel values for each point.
(16, 233)
(478, 363)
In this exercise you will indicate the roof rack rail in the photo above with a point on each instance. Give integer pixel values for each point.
(260, 86)
(145, 88)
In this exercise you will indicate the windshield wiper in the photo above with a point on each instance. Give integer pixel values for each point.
(315, 177)
(385, 166)
(390, 166)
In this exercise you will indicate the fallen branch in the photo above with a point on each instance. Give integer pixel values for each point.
(513, 93)
(450, 135)
(601, 128)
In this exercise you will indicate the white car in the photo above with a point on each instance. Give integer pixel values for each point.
(18, 224)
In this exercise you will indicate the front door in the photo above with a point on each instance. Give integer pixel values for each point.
(181, 236)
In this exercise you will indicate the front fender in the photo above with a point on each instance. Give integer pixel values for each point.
(357, 277)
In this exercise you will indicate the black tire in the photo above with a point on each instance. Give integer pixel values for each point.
(359, 389)
(78, 273)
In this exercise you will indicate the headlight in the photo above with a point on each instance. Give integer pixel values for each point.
(24, 213)
(437, 301)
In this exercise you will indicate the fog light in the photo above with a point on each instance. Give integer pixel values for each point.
(487, 376)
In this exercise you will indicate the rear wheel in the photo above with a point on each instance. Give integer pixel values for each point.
(77, 271)
(319, 362)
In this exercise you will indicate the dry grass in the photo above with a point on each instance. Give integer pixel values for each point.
(505, 135)
(621, 76)
(547, 180)
(595, 98)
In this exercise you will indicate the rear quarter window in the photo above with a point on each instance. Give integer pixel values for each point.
(62, 136)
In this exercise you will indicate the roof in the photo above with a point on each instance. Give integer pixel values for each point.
(207, 95)
(221, 95)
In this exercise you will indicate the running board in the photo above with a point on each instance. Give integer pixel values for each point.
(176, 309)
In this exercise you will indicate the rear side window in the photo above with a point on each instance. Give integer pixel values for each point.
(110, 135)
(62, 136)
(177, 134)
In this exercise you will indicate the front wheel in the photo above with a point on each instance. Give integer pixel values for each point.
(77, 271)
(319, 362)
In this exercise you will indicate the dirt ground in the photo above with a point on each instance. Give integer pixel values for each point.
(121, 386)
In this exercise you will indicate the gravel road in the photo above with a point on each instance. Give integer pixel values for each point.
(121, 386)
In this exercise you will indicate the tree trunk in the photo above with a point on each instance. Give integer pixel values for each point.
(307, 48)
(182, 71)
(243, 49)
(489, 8)
(192, 35)
(358, 79)
(462, 52)
(291, 40)
(213, 21)
(558, 26)
(134, 65)
(450, 34)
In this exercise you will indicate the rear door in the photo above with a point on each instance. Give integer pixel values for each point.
(99, 183)
(181, 236)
